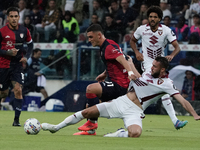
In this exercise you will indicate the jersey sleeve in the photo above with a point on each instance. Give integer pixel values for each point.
(170, 88)
(28, 37)
(171, 36)
(137, 33)
(112, 52)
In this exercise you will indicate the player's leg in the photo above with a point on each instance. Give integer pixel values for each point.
(44, 92)
(73, 119)
(132, 116)
(93, 92)
(171, 112)
(18, 101)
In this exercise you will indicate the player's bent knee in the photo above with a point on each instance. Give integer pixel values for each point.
(134, 131)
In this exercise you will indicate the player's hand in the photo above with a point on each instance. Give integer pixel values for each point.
(132, 77)
(139, 56)
(12, 52)
(101, 77)
(23, 60)
(169, 58)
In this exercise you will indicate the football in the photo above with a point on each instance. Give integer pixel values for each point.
(32, 126)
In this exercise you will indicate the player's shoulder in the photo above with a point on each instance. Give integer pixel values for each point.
(165, 28)
(4, 28)
(110, 43)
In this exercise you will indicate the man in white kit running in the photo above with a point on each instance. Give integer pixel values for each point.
(143, 91)
(154, 40)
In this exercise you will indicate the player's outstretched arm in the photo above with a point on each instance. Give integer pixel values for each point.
(187, 106)
(175, 52)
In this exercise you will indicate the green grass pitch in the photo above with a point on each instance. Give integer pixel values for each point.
(158, 134)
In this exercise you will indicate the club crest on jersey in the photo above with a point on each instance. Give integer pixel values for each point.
(160, 81)
(160, 32)
(21, 35)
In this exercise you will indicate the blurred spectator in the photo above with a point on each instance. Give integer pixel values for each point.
(182, 30)
(3, 8)
(194, 9)
(95, 19)
(71, 27)
(167, 21)
(114, 7)
(110, 28)
(22, 11)
(75, 7)
(65, 62)
(194, 37)
(30, 26)
(188, 82)
(36, 16)
(178, 8)
(99, 10)
(126, 17)
(64, 56)
(164, 8)
(49, 22)
(142, 15)
(33, 75)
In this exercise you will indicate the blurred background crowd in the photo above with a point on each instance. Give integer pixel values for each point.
(50, 20)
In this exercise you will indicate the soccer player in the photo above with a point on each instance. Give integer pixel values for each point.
(154, 40)
(13, 54)
(143, 91)
(117, 72)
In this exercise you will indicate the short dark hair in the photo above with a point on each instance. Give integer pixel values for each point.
(94, 28)
(36, 50)
(155, 9)
(163, 61)
(167, 17)
(12, 9)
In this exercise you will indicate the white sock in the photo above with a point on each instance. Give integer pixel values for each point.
(73, 119)
(169, 108)
(123, 134)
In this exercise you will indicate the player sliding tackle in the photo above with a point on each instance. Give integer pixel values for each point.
(143, 91)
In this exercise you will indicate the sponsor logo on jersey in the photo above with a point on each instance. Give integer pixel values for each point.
(7, 36)
(173, 34)
(153, 40)
(21, 35)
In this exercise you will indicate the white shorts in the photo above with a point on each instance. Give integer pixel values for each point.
(123, 108)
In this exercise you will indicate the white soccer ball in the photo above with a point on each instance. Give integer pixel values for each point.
(32, 126)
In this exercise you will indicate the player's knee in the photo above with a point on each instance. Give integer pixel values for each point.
(134, 131)
(134, 134)
(85, 113)
(18, 90)
(89, 88)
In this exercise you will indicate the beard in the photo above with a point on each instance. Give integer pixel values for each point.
(156, 74)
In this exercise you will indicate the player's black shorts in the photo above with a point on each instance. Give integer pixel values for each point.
(111, 90)
(10, 74)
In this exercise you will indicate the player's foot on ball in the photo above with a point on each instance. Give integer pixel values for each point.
(115, 134)
(180, 124)
(16, 123)
(49, 127)
(88, 126)
(91, 132)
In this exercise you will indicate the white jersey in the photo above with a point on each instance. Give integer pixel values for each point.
(153, 43)
(149, 89)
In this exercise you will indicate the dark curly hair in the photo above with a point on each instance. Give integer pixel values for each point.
(155, 9)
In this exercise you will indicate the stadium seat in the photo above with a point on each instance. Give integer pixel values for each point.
(126, 38)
